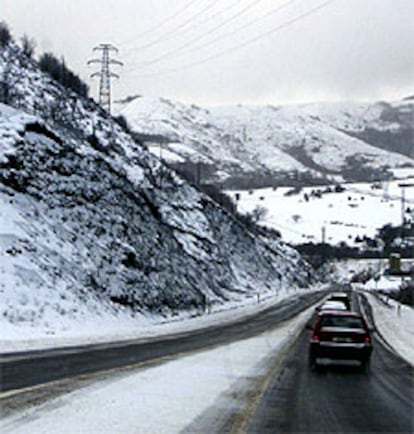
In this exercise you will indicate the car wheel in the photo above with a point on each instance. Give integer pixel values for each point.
(313, 364)
(365, 366)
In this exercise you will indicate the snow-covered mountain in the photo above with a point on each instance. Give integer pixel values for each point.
(243, 147)
(93, 224)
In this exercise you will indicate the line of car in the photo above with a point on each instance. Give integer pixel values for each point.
(340, 334)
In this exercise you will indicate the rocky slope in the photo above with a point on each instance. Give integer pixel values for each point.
(92, 222)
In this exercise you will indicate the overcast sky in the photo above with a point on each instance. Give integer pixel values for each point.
(213, 52)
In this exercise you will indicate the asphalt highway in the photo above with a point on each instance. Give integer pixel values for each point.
(26, 369)
(339, 399)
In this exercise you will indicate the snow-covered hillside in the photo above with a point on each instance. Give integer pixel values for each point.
(93, 226)
(313, 214)
(263, 146)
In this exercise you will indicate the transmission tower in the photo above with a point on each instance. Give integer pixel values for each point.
(105, 74)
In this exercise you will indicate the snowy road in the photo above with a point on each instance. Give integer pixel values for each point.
(340, 399)
(25, 369)
(219, 389)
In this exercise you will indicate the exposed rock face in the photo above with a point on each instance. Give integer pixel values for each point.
(92, 215)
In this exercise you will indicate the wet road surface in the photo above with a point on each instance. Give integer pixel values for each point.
(339, 398)
(25, 369)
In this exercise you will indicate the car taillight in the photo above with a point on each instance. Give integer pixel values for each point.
(367, 339)
(315, 337)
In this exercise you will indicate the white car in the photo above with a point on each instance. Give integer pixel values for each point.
(331, 305)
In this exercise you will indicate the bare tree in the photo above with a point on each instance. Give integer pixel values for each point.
(5, 87)
(258, 213)
(28, 45)
(5, 35)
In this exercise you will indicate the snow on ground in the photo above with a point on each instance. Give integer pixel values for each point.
(247, 139)
(162, 399)
(24, 290)
(76, 249)
(166, 154)
(403, 173)
(395, 322)
(39, 312)
(12, 123)
(344, 270)
(169, 397)
(108, 328)
(344, 215)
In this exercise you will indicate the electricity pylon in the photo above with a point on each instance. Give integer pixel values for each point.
(105, 74)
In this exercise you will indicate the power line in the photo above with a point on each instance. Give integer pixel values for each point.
(221, 11)
(161, 23)
(105, 74)
(174, 30)
(217, 38)
(241, 45)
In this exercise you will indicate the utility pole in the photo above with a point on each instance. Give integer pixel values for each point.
(324, 254)
(403, 186)
(105, 74)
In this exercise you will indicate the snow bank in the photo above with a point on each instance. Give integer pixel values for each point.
(110, 327)
(395, 322)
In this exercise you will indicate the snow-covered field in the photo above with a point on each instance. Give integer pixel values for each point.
(308, 216)
(170, 397)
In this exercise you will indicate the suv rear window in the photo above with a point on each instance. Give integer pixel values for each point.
(342, 321)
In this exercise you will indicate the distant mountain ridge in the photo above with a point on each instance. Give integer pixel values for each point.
(243, 146)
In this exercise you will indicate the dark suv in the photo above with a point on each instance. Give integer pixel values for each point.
(340, 335)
